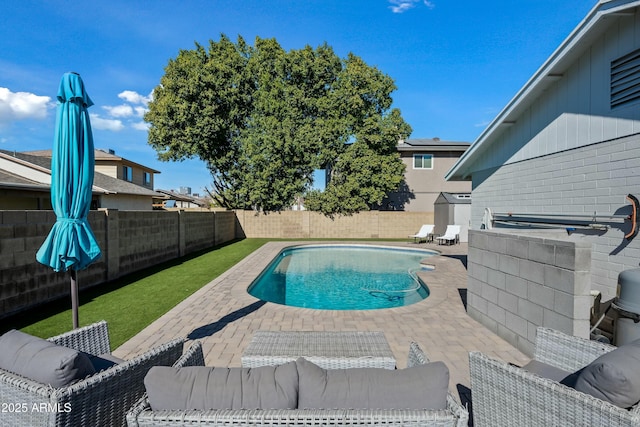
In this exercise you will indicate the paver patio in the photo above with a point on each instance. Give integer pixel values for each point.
(224, 317)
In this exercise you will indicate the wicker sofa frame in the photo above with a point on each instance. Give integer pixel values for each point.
(506, 395)
(141, 414)
(102, 399)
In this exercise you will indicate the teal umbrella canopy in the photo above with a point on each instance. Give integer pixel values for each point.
(71, 244)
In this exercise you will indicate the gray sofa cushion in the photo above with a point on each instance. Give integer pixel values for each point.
(613, 377)
(419, 387)
(201, 387)
(41, 360)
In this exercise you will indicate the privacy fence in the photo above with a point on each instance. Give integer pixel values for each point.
(134, 240)
(305, 224)
(129, 240)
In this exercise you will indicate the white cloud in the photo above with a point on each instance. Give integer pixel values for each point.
(400, 6)
(140, 126)
(125, 115)
(98, 122)
(120, 110)
(134, 97)
(140, 111)
(22, 105)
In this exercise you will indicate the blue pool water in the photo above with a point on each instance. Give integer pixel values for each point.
(340, 277)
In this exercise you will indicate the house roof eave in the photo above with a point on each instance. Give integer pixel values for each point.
(551, 70)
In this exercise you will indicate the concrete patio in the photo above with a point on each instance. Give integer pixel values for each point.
(224, 317)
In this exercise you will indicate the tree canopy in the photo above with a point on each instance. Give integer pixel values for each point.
(263, 119)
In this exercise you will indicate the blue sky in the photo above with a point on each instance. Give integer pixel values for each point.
(456, 63)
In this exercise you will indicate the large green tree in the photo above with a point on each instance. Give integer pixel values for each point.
(263, 119)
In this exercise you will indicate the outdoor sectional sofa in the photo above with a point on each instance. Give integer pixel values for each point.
(161, 386)
(72, 379)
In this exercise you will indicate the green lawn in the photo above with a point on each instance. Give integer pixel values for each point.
(131, 303)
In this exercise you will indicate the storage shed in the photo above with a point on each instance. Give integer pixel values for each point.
(452, 209)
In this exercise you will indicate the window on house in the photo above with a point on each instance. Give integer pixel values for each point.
(146, 178)
(127, 173)
(423, 161)
(625, 79)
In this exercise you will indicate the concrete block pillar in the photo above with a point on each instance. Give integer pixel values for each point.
(182, 234)
(306, 224)
(111, 251)
(214, 233)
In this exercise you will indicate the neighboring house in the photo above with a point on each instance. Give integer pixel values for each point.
(426, 161)
(25, 181)
(172, 199)
(108, 163)
(569, 141)
(23, 186)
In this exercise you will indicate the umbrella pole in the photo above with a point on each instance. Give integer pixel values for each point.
(74, 297)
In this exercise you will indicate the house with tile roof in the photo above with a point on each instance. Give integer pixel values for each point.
(426, 162)
(25, 180)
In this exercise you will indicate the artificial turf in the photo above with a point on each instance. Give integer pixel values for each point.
(133, 302)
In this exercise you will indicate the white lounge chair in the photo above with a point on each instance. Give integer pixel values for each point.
(425, 233)
(450, 236)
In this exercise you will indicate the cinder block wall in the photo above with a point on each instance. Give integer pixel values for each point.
(147, 238)
(129, 241)
(518, 281)
(201, 233)
(23, 281)
(305, 224)
(225, 227)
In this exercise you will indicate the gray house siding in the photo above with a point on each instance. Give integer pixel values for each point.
(575, 110)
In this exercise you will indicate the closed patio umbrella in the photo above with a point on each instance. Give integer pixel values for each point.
(71, 245)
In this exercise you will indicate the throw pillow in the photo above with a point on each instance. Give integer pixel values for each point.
(41, 360)
(613, 377)
(418, 387)
(201, 387)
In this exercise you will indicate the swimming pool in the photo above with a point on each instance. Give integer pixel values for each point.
(343, 277)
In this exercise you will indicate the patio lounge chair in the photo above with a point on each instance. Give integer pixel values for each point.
(141, 415)
(101, 399)
(450, 236)
(507, 395)
(425, 233)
